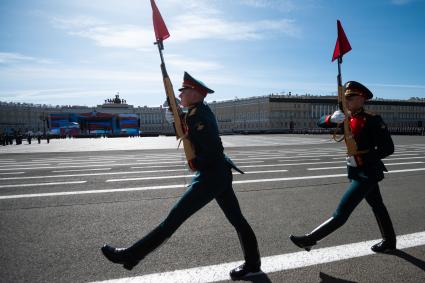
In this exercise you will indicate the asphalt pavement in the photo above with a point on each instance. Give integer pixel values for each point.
(60, 202)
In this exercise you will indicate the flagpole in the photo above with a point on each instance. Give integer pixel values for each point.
(161, 33)
(339, 79)
(160, 48)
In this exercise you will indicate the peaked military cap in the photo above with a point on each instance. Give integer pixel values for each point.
(353, 88)
(191, 82)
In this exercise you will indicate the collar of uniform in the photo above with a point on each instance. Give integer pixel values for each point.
(358, 112)
(195, 105)
(192, 110)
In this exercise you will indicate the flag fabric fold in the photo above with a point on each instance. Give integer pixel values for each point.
(342, 45)
(161, 31)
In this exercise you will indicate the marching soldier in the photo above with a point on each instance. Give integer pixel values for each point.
(365, 170)
(213, 180)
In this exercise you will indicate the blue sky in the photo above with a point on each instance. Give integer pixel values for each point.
(81, 52)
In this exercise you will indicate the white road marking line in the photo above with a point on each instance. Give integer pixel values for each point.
(326, 168)
(12, 173)
(250, 162)
(292, 164)
(392, 158)
(276, 263)
(79, 170)
(290, 178)
(158, 159)
(183, 186)
(177, 162)
(265, 171)
(345, 167)
(280, 157)
(403, 158)
(395, 156)
(160, 166)
(41, 184)
(86, 162)
(297, 160)
(93, 160)
(91, 192)
(149, 178)
(403, 154)
(16, 166)
(182, 176)
(99, 158)
(93, 174)
(406, 170)
(17, 162)
(88, 166)
(282, 165)
(404, 163)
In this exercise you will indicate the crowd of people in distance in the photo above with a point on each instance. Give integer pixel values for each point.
(17, 137)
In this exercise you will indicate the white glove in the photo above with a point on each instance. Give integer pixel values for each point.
(169, 116)
(337, 117)
(351, 161)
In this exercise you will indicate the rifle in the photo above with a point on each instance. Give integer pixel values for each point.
(179, 125)
(342, 46)
(342, 103)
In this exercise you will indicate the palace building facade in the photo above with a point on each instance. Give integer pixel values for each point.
(271, 113)
(288, 112)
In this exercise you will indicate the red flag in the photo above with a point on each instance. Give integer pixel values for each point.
(342, 45)
(161, 31)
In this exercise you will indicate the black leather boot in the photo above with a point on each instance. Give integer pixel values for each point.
(304, 242)
(120, 256)
(245, 270)
(385, 246)
(309, 240)
(251, 254)
(131, 256)
(389, 242)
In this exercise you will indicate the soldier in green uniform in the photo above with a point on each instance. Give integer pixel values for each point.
(213, 180)
(365, 170)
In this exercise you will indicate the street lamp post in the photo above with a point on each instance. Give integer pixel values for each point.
(43, 118)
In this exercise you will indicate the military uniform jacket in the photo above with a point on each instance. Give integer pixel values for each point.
(371, 135)
(204, 136)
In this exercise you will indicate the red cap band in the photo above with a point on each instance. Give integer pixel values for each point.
(188, 84)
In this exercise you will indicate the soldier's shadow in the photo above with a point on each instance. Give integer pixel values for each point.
(330, 279)
(401, 254)
(413, 260)
(325, 278)
(260, 278)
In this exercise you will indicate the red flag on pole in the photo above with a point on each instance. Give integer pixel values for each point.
(342, 45)
(161, 31)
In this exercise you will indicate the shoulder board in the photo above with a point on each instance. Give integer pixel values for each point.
(192, 111)
(370, 113)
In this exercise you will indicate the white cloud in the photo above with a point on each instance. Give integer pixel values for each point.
(76, 74)
(77, 22)
(283, 5)
(197, 24)
(203, 7)
(50, 94)
(410, 86)
(118, 36)
(104, 34)
(13, 58)
(192, 27)
(178, 61)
